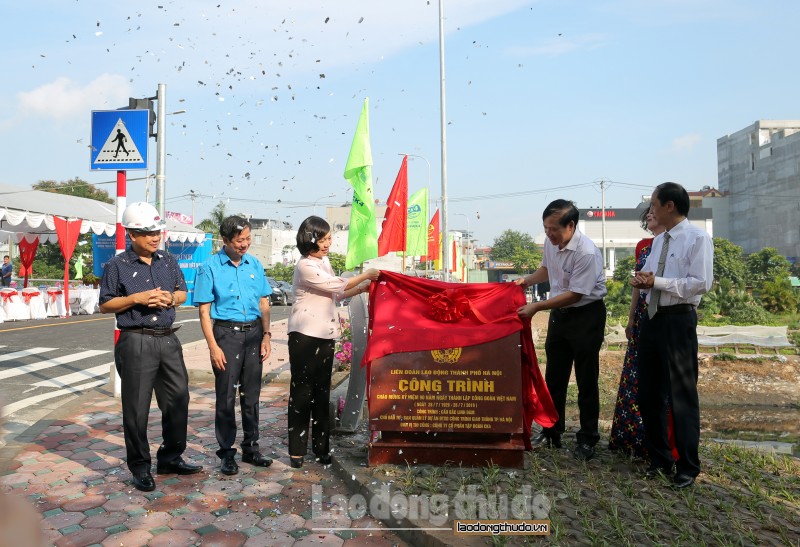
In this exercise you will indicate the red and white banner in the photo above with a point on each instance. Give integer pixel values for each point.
(179, 217)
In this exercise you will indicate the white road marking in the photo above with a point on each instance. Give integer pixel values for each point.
(23, 353)
(10, 409)
(75, 377)
(25, 369)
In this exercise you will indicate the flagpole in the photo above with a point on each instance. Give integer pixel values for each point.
(445, 258)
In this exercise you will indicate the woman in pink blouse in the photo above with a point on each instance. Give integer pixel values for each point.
(313, 330)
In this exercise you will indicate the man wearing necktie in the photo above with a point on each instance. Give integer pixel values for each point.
(678, 271)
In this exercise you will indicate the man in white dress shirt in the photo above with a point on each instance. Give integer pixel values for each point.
(573, 265)
(679, 269)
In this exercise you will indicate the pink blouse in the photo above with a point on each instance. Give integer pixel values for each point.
(316, 290)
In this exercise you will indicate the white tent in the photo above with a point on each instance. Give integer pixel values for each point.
(28, 214)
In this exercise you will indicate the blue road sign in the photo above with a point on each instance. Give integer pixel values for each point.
(119, 139)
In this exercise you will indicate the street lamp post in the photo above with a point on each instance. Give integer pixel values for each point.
(443, 123)
(314, 208)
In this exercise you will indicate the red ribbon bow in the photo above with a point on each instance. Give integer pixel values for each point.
(53, 293)
(27, 295)
(451, 305)
(7, 295)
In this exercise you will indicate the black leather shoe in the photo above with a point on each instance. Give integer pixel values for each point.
(178, 466)
(144, 482)
(583, 452)
(256, 458)
(296, 461)
(654, 471)
(681, 481)
(324, 460)
(229, 466)
(543, 439)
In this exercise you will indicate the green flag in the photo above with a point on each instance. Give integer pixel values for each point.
(417, 231)
(362, 240)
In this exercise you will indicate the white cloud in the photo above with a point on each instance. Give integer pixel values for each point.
(685, 143)
(62, 98)
(560, 46)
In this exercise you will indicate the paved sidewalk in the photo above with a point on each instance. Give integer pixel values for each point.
(71, 469)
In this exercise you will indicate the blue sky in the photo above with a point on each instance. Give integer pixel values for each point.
(544, 98)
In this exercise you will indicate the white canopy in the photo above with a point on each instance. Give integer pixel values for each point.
(28, 214)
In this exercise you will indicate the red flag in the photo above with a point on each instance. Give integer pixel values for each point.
(68, 232)
(27, 252)
(393, 233)
(433, 238)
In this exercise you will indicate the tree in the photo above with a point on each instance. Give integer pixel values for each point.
(49, 263)
(623, 269)
(766, 265)
(74, 187)
(728, 262)
(778, 296)
(211, 225)
(337, 263)
(281, 272)
(517, 248)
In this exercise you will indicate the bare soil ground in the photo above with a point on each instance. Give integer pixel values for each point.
(754, 395)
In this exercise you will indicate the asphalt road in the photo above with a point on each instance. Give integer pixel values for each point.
(45, 363)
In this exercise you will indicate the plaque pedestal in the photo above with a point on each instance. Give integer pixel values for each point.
(457, 405)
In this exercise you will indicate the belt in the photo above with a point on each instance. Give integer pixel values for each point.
(151, 332)
(677, 308)
(578, 309)
(233, 325)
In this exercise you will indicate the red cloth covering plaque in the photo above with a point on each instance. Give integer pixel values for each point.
(413, 314)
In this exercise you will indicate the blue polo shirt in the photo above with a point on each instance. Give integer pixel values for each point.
(126, 274)
(234, 292)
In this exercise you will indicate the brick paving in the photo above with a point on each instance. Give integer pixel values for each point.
(73, 473)
(84, 496)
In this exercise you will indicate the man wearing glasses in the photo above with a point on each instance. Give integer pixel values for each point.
(142, 286)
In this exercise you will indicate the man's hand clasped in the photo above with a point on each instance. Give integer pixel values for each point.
(155, 298)
(643, 280)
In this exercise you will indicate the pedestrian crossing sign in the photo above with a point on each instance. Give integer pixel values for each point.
(119, 139)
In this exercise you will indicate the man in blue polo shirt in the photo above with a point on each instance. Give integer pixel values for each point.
(232, 292)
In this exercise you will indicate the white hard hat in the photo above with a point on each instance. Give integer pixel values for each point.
(143, 217)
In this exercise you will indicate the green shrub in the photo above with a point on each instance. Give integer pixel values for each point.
(778, 296)
(749, 313)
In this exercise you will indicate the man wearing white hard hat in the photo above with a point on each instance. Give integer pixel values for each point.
(142, 286)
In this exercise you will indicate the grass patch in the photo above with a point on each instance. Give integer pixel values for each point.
(742, 497)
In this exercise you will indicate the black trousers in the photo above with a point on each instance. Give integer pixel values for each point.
(575, 335)
(242, 373)
(311, 362)
(146, 363)
(668, 376)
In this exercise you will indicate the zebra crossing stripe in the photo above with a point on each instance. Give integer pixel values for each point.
(33, 367)
(75, 377)
(24, 353)
(14, 407)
